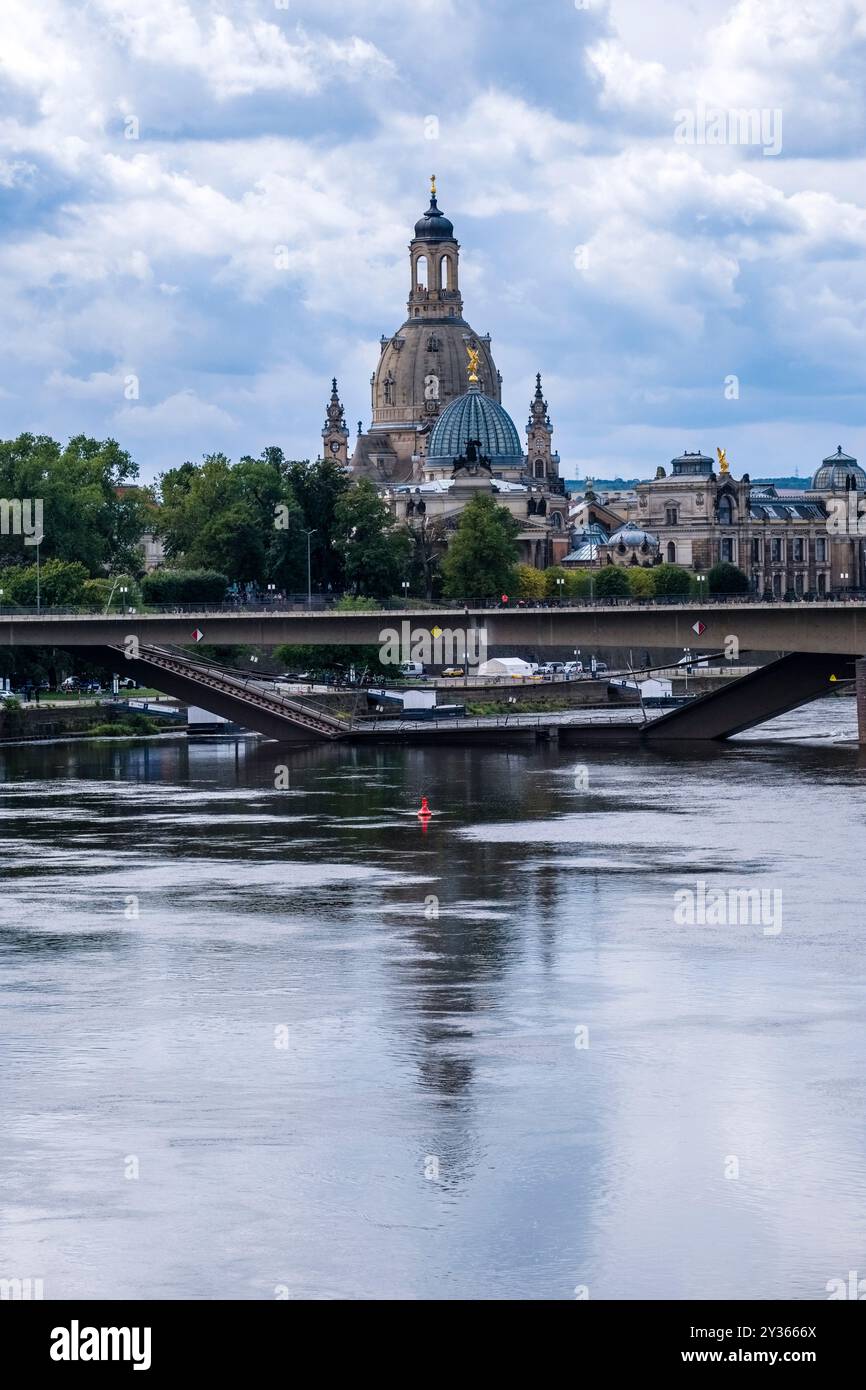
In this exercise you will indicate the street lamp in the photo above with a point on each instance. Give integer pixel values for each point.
(308, 534)
(271, 591)
(123, 590)
(404, 585)
(559, 583)
(687, 652)
(700, 578)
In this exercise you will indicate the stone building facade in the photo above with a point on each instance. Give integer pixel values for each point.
(783, 539)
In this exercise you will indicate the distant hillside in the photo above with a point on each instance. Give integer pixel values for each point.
(622, 484)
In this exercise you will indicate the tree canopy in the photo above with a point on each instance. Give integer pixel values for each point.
(481, 560)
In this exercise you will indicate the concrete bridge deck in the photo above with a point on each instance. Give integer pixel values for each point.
(759, 627)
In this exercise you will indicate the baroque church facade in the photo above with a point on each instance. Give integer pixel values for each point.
(438, 432)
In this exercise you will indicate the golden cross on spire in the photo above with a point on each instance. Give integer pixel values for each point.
(432, 186)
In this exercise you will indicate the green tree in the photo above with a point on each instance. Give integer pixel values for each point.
(184, 586)
(93, 513)
(530, 582)
(553, 589)
(641, 582)
(580, 583)
(726, 578)
(317, 488)
(58, 584)
(612, 582)
(671, 581)
(481, 560)
(376, 551)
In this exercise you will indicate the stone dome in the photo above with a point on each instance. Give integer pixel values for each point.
(835, 471)
(427, 355)
(475, 416)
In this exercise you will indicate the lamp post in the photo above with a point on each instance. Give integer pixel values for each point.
(272, 588)
(404, 585)
(1, 598)
(700, 578)
(308, 535)
(123, 590)
(687, 651)
(559, 584)
(38, 582)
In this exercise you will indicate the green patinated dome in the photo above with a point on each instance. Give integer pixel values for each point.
(476, 417)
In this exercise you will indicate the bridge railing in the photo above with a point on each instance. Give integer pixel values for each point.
(10, 612)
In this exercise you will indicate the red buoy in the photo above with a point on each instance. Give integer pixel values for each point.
(425, 809)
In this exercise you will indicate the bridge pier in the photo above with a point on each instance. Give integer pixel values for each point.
(860, 674)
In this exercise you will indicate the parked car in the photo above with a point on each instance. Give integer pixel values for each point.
(454, 671)
(71, 683)
(599, 667)
(547, 668)
(412, 668)
(572, 669)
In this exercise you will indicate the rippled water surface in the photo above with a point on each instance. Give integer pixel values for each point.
(246, 995)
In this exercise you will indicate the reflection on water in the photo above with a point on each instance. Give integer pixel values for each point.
(344, 1053)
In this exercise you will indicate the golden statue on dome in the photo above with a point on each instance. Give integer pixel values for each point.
(473, 355)
(432, 185)
(724, 466)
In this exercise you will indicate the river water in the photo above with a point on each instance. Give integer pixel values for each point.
(266, 1041)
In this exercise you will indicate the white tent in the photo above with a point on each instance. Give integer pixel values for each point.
(506, 666)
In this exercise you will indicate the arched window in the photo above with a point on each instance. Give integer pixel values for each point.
(726, 512)
(539, 468)
(672, 553)
(556, 519)
(445, 273)
(421, 273)
(670, 516)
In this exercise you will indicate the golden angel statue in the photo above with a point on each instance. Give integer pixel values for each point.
(473, 355)
(724, 466)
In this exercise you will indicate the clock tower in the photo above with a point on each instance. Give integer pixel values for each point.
(335, 434)
(543, 462)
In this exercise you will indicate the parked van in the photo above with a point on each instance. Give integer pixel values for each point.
(414, 669)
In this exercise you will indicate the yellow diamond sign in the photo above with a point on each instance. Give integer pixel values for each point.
(436, 631)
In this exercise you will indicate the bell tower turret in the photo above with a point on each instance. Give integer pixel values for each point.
(543, 462)
(434, 259)
(335, 435)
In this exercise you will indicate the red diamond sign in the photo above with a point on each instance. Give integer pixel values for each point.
(197, 634)
(699, 627)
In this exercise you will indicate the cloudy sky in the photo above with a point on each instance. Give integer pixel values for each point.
(155, 153)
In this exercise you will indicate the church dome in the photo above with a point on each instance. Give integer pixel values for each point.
(633, 536)
(434, 225)
(835, 471)
(475, 416)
